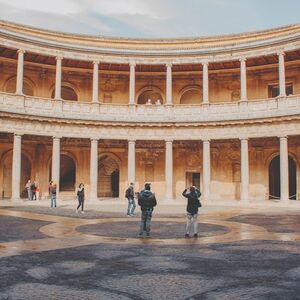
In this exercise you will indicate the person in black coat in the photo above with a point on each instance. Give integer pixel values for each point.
(147, 202)
(80, 197)
(192, 194)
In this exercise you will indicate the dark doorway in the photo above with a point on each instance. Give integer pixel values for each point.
(193, 178)
(115, 183)
(274, 178)
(67, 173)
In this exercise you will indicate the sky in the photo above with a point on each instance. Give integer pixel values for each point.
(152, 18)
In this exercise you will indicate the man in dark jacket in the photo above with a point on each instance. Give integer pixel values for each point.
(129, 194)
(146, 201)
(192, 194)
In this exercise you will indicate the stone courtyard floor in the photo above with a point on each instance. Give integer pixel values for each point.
(241, 253)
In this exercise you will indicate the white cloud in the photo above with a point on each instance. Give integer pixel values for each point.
(53, 6)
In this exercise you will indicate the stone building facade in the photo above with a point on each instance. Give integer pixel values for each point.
(221, 113)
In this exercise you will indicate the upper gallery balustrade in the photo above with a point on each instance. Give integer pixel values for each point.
(243, 110)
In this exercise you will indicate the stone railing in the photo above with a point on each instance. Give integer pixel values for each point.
(257, 109)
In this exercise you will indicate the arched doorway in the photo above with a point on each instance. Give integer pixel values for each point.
(108, 176)
(10, 86)
(67, 173)
(7, 175)
(274, 178)
(152, 93)
(67, 93)
(191, 96)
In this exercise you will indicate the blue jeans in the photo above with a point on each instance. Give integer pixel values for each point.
(29, 192)
(146, 220)
(53, 200)
(131, 206)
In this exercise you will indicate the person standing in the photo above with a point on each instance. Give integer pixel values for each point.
(28, 188)
(192, 194)
(147, 202)
(129, 194)
(80, 197)
(52, 193)
(33, 190)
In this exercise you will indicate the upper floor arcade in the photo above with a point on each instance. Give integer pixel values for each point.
(48, 65)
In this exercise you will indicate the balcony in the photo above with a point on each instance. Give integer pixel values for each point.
(258, 109)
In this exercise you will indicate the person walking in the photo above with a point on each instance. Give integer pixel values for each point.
(192, 194)
(28, 188)
(147, 202)
(52, 193)
(129, 194)
(80, 197)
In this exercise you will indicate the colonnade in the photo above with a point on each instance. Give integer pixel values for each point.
(244, 182)
(132, 77)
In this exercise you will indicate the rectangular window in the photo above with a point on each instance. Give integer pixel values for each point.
(273, 90)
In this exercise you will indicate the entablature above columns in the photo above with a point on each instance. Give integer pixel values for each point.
(270, 128)
(153, 57)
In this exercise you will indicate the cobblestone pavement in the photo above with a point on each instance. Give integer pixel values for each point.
(238, 255)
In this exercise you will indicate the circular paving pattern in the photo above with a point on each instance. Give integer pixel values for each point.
(159, 229)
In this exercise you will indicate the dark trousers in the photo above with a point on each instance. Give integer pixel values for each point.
(80, 203)
(146, 220)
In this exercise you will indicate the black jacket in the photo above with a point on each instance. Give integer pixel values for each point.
(146, 200)
(129, 193)
(193, 201)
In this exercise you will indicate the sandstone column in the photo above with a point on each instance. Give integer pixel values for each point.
(20, 71)
(58, 78)
(169, 85)
(131, 161)
(95, 98)
(56, 162)
(16, 168)
(243, 74)
(244, 170)
(169, 170)
(284, 169)
(132, 83)
(205, 82)
(94, 170)
(282, 91)
(206, 170)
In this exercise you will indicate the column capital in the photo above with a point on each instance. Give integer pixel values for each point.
(169, 65)
(96, 62)
(282, 137)
(205, 140)
(21, 51)
(131, 141)
(56, 137)
(242, 59)
(18, 134)
(59, 57)
(281, 52)
(204, 63)
(243, 138)
(169, 140)
(132, 64)
(94, 140)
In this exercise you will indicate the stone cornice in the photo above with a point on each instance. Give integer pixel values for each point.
(81, 46)
(269, 121)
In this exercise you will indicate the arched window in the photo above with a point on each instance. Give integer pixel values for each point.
(10, 86)
(191, 96)
(67, 93)
(152, 93)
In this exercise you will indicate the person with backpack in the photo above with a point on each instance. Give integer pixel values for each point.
(147, 202)
(80, 197)
(129, 194)
(192, 194)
